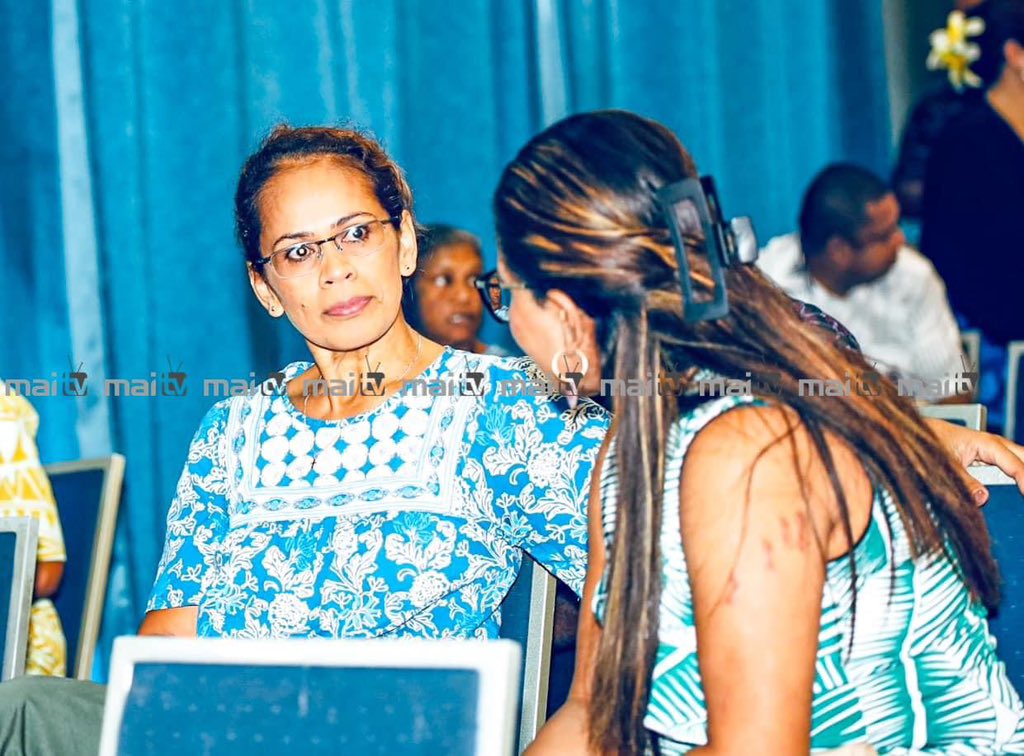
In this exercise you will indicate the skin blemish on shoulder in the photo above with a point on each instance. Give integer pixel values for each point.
(803, 531)
(769, 555)
(787, 535)
(796, 535)
(729, 592)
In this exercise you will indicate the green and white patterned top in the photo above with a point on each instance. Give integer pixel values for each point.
(922, 675)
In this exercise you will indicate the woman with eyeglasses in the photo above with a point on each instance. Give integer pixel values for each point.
(773, 571)
(393, 485)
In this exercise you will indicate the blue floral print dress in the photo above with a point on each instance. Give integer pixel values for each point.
(410, 519)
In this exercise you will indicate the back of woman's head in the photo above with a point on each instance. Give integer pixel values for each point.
(576, 210)
(577, 205)
(287, 147)
(1004, 21)
(437, 236)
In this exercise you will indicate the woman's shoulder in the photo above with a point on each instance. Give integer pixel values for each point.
(497, 376)
(243, 398)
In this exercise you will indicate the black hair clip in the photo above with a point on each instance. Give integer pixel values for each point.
(690, 203)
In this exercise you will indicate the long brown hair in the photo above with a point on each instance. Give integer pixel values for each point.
(576, 211)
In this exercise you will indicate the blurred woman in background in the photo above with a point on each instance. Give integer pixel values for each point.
(25, 491)
(441, 298)
(973, 222)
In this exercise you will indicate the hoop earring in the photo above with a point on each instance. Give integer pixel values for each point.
(572, 377)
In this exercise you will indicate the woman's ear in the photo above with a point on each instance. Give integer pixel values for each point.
(579, 329)
(407, 248)
(264, 292)
(579, 334)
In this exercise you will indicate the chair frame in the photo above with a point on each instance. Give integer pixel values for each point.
(537, 668)
(1014, 355)
(990, 475)
(23, 580)
(113, 468)
(974, 416)
(497, 663)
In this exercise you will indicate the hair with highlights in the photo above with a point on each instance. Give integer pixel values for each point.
(575, 211)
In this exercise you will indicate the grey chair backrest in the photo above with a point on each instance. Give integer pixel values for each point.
(969, 415)
(310, 696)
(970, 341)
(527, 617)
(88, 494)
(18, 539)
(1014, 429)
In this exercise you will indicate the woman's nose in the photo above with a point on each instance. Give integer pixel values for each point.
(335, 265)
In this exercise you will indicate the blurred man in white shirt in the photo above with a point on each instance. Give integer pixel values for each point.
(850, 258)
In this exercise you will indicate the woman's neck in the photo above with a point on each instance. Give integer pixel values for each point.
(1007, 98)
(376, 371)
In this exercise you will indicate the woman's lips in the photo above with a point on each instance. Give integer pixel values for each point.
(349, 307)
(463, 319)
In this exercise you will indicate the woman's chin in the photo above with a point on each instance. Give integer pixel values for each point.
(461, 338)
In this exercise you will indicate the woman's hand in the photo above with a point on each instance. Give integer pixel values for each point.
(974, 447)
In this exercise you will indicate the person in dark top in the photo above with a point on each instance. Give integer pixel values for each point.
(973, 223)
(925, 123)
(929, 117)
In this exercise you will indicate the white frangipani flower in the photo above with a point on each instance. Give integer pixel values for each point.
(953, 50)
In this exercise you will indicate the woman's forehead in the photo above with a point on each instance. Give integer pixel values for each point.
(454, 254)
(321, 177)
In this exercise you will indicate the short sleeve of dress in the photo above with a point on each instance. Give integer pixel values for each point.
(537, 458)
(24, 488)
(198, 517)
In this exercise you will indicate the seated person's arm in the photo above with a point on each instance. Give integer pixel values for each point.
(567, 730)
(48, 577)
(180, 621)
(196, 521)
(935, 344)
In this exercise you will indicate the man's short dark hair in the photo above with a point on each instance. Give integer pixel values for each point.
(835, 204)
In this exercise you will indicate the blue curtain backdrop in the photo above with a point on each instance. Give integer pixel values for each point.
(124, 122)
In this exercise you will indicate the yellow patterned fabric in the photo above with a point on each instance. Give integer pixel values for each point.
(25, 490)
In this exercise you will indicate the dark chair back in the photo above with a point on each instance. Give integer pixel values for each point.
(1004, 514)
(88, 493)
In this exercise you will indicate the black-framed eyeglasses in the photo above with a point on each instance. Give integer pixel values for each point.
(497, 296)
(363, 236)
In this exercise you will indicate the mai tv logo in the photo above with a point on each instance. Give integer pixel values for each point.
(74, 382)
(963, 382)
(169, 383)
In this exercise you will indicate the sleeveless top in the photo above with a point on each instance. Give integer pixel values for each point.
(922, 675)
